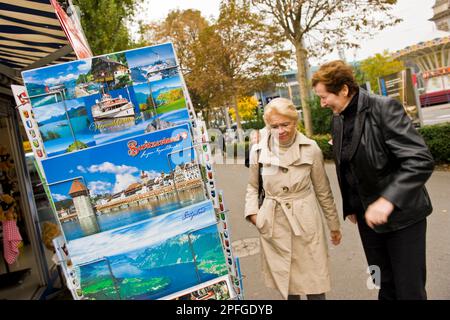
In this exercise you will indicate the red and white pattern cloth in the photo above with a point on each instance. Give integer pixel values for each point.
(11, 241)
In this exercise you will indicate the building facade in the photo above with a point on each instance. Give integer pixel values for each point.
(441, 15)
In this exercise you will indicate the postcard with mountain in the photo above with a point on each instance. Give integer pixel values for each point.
(152, 258)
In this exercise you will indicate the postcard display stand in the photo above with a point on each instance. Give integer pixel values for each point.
(128, 170)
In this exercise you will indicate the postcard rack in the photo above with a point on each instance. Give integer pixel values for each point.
(145, 180)
(205, 158)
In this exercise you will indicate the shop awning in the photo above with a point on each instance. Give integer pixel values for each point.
(31, 36)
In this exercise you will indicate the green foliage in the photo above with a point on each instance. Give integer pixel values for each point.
(101, 288)
(124, 80)
(254, 123)
(176, 105)
(170, 96)
(132, 287)
(324, 145)
(377, 66)
(103, 22)
(321, 117)
(83, 78)
(50, 136)
(77, 145)
(301, 128)
(437, 139)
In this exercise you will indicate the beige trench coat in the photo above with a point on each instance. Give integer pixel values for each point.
(294, 244)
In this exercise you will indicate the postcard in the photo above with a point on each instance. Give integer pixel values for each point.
(120, 183)
(153, 258)
(151, 63)
(102, 99)
(64, 127)
(217, 289)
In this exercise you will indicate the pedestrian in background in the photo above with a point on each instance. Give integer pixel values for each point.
(294, 248)
(382, 164)
(254, 138)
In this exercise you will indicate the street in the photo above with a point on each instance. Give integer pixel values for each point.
(348, 264)
(436, 114)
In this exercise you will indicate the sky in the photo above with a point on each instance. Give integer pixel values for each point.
(414, 28)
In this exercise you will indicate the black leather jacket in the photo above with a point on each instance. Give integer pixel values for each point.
(389, 158)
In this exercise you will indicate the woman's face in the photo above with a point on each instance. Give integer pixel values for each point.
(336, 102)
(281, 127)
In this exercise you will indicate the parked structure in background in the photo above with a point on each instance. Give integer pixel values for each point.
(289, 89)
(432, 57)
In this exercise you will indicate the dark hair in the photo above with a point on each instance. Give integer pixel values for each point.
(334, 75)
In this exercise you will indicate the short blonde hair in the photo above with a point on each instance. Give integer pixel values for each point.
(282, 106)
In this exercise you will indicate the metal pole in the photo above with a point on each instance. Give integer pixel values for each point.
(419, 106)
(27, 197)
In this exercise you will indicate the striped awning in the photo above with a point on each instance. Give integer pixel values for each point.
(31, 36)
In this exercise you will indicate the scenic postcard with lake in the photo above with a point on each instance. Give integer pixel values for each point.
(116, 184)
(64, 127)
(124, 94)
(77, 79)
(153, 258)
(151, 63)
(60, 82)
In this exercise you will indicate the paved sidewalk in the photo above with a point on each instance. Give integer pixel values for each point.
(348, 264)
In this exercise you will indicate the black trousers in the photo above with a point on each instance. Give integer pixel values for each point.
(400, 256)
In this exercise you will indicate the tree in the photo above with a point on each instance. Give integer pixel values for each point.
(317, 27)
(251, 50)
(104, 24)
(381, 64)
(224, 59)
(183, 29)
(247, 107)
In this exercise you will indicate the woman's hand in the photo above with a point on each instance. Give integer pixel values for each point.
(336, 237)
(252, 219)
(378, 212)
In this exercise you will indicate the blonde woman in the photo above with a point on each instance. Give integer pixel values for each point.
(298, 199)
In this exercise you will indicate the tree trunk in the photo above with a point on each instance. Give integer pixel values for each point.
(238, 119)
(227, 117)
(300, 54)
(206, 117)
